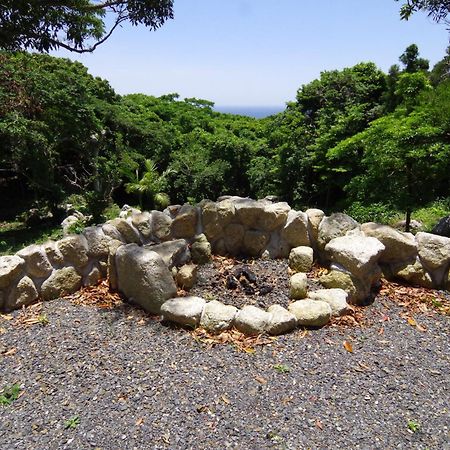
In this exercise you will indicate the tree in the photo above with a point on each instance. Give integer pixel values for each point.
(410, 59)
(75, 25)
(438, 10)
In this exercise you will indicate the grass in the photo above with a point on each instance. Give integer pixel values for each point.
(72, 423)
(16, 235)
(9, 394)
(281, 368)
(413, 426)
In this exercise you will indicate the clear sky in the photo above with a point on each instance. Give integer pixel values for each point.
(258, 52)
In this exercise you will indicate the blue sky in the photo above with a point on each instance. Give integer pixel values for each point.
(258, 52)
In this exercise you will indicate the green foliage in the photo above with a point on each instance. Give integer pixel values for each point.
(9, 394)
(72, 423)
(281, 368)
(413, 426)
(438, 10)
(76, 25)
(373, 212)
(430, 214)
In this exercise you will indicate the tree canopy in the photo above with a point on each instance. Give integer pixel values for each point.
(438, 10)
(75, 25)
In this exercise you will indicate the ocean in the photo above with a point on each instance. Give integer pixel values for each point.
(252, 111)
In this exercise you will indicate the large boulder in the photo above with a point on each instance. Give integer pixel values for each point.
(414, 274)
(281, 320)
(234, 236)
(22, 294)
(61, 282)
(255, 242)
(311, 313)
(273, 216)
(10, 268)
(217, 317)
(174, 253)
(434, 250)
(336, 298)
(334, 226)
(111, 269)
(442, 228)
(399, 246)
(301, 259)
(252, 320)
(161, 226)
(143, 277)
(97, 241)
(143, 222)
(54, 256)
(183, 310)
(185, 223)
(357, 254)
(125, 228)
(249, 212)
(212, 228)
(112, 232)
(36, 262)
(74, 249)
(295, 231)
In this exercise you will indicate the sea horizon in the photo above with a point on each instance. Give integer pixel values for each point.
(257, 112)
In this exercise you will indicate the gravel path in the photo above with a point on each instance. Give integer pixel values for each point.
(135, 383)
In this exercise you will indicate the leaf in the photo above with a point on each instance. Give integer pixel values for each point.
(412, 322)
(319, 424)
(260, 380)
(381, 330)
(11, 352)
(225, 399)
(6, 316)
(421, 328)
(140, 421)
(348, 346)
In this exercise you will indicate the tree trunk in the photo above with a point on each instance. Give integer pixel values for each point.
(408, 221)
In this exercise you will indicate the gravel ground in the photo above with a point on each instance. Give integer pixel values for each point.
(135, 383)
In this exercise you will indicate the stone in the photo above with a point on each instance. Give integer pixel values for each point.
(111, 269)
(357, 254)
(226, 212)
(23, 294)
(10, 269)
(93, 277)
(301, 259)
(201, 250)
(273, 216)
(174, 253)
(315, 216)
(336, 298)
(61, 282)
(36, 262)
(55, 257)
(210, 221)
(442, 228)
(398, 246)
(255, 242)
(281, 320)
(295, 231)
(298, 286)
(249, 211)
(357, 290)
(161, 225)
(434, 250)
(187, 276)
(129, 233)
(112, 232)
(217, 317)
(128, 211)
(143, 223)
(183, 310)
(143, 277)
(234, 236)
(74, 249)
(311, 313)
(334, 226)
(414, 274)
(97, 241)
(2, 301)
(185, 223)
(252, 320)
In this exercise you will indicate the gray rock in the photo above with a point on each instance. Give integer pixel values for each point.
(281, 320)
(357, 254)
(36, 262)
(201, 250)
(255, 242)
(315, 216)
(334, 226)
(185, 223)
(234, 236)
(10, 268)
(249, 211)
(295, 232)
(112, 232)
(61, 282)
(301, 259)
(128, 232)
(210, 220)
(442, 228)
(187, 276)
(183, 310)
(252, 320)
(23, 294)
(93, 277)
(217, 317)
(336, 298)
(74, 249)
(311, 313)
(398, 246)
(143, 223)
(161, 225)
(434, 250)
(97, 241)
(273, 216)
(143, 277)
(298, 286)
(111, 268)
(174, 253)
(54, 256)
(414, 274)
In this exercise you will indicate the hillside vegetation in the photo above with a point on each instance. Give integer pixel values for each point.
(356, 139)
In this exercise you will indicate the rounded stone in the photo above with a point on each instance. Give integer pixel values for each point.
(311, 313)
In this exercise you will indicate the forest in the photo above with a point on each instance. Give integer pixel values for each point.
(359, 140)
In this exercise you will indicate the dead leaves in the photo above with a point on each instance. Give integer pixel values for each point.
(348, 346)
(31, 315)
(356, 317)
(99, 296)
(233, 337)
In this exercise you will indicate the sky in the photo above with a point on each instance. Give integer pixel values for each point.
(258, 52)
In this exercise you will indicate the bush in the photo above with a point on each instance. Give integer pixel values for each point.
(430, 214)
(376, 212)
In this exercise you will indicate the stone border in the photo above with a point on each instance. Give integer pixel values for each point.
(357, 255)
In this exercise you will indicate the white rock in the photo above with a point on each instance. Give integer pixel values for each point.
(10, 268)
(334, 226)
(183, 310)
(281, 320)
(336, 298)
(187, 276)
(126, 229)
(358, 254)
(36, 261)
(301, 259)
(252, 320)
(311, 313)
(74, 249)
(23, 294)
(97, 241)
(295, 232)
(298, 286)
(315, 216)
(217, 317)
(173, 253)
(434, 250)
